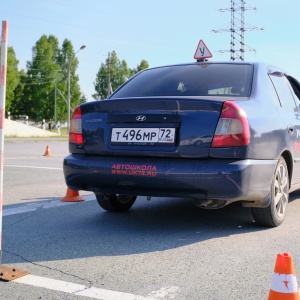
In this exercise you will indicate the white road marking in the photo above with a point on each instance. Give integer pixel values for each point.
(77, 289)
(33, 167)
(51, 284)
(97, 293)
(38, 205)
(165, 293)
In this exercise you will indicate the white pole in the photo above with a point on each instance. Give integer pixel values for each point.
(3, 68)
(69, 93)
(55, 99)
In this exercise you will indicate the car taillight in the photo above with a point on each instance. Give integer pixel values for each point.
(233, 127)
(75, 134)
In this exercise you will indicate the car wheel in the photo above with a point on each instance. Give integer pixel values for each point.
(114, 202)
(274, 214)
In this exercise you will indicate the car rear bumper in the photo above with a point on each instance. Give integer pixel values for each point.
(218, 179)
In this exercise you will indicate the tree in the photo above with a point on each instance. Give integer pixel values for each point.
(12, 77)
(41, 75)
(18, 106)
(83, 98)
(68, 62)
(143, 65)
(118, 72)
(47, 80)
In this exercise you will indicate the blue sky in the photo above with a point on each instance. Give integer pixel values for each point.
(160, 31)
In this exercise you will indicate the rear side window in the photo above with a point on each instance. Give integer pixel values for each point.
(203, 79)
(283, 91)
(295, 86)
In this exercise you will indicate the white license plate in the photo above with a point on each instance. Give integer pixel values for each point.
(143, 135)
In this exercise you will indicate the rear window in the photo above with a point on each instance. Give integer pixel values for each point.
(203, 79)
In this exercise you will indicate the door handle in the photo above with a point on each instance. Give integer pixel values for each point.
(290, 129)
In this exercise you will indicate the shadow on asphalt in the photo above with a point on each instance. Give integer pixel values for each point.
(85, 230)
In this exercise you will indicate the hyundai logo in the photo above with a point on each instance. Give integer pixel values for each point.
(140, 118)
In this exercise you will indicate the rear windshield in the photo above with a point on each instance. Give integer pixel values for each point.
(203, 79)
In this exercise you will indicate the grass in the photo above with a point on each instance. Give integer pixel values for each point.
(64, 132)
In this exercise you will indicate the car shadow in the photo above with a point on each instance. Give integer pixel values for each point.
(85, 230)
(294, 196)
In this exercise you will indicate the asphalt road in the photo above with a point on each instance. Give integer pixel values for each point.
(160, 249)
(29, 175)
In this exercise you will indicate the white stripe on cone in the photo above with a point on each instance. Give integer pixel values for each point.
(284, 283)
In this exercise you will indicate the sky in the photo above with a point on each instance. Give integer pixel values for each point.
(162, 32)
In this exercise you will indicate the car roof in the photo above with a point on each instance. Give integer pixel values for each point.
(257, 64)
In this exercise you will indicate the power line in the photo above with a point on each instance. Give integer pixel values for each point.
(237, 30)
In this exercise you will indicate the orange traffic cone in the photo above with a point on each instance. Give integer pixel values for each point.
(47, 152)
(72, 196)
(284, 283)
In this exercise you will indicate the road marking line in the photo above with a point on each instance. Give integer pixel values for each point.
(32, 207)
(17, 210)
(165, 292)
(77, 289)
(27, 157)
(33, 167)
(40, 204)
(97, 293)
(51, 284)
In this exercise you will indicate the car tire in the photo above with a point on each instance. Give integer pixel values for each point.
(114, 202)
(274, 214)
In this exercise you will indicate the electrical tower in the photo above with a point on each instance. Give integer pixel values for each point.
(237, 30)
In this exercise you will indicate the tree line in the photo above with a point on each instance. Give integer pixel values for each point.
(41, 92)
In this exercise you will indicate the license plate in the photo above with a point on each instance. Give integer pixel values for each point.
(143, 135)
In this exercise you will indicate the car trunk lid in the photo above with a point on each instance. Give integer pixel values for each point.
(156, 126)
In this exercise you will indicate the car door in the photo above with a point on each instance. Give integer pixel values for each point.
(289, 111)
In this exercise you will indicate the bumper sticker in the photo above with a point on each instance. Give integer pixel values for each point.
(135, 170)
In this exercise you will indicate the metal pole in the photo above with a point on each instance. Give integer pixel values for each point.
(69, 87)
(4, 38)
(242, 30)
(55, 101)
(232, 50)
(108, 75)
(69, 93)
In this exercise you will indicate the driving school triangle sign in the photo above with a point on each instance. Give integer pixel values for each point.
(202, 51)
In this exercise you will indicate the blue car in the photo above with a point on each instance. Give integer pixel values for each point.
(213, 132)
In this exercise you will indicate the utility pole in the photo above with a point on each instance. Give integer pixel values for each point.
(69, 84)
(69, 92)
(108, 75)
(237, 29)
(55, 102)
(3, 73)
